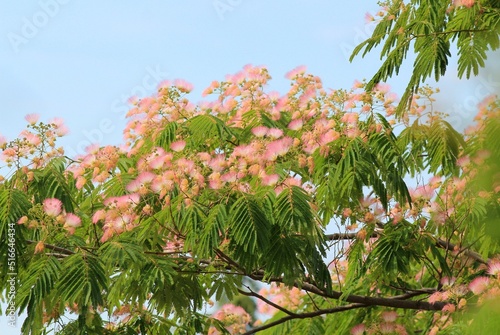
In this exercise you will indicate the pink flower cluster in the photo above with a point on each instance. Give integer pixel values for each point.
(34, 146)
(118, 216)
(234, 318)
(53, 207)
(316, 121)
(387, 325)
(289, 298)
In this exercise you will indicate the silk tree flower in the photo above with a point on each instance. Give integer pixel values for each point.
(52, 206)
(275, 133)
(358, 329)
(479, 285)
(71, 222)
(270, 180)
(260, 131)
(278, 148)
(390, 316)
(295, 72)
(235, 319)
(494, 268)
(32, 118)
(3, 141)
(183, 85)
(178, 145)
(296, 124)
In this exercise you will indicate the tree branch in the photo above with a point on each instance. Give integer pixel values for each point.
(329, 311)
(343, 236)
(467, 252)
(304, 316)
(267, 301)
(395, 301)
(53, 247)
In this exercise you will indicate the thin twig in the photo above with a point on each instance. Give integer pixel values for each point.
(53, 247)
(267, 301)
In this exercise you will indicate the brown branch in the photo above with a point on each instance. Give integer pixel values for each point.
(229, 260)
(267, 301)
(304, 316)
(343, 236)
(467, 252)
(53, 247)
(330, 311)
(395, 301)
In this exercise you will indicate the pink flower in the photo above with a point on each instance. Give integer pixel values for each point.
(157, 162)
(275, 133)
(369, 18)
(210, 89)
(98, 216)
(31, 138)
(347, 212)
(3, 141)
(278, 148)
(296, 124)
(447, 281)
(435, 297)
(145, 177)
(494, 268)
(423, 192)
(357, 83)
(52, 206)
(295, 72)
(178, 145)
(57, 121)
(71, 221)
(32, 118)
(215, 181)
(358, 329)
(386, 328)
(61, 130)
(164, 84)
(8, 153)
(435, 182)
(260, 131)
(479, 284)
(229, 177)
(270, 180)
(449, 308)
(389, 316)
(80, 182)
(183, 85)
(218, 163)
(383, 88)
(466, 3)
(351, 118)
(329, 137)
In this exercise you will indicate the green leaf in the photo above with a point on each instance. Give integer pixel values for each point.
(213, 231)
(83, 280)
(167, 135)
(249, 224)
(13, 205)
(249, 229)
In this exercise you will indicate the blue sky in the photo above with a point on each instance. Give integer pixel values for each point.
(80, 60)
(84, 57)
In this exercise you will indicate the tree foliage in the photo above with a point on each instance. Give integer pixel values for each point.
(299, 202)
(430, 29)
(304, 192)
